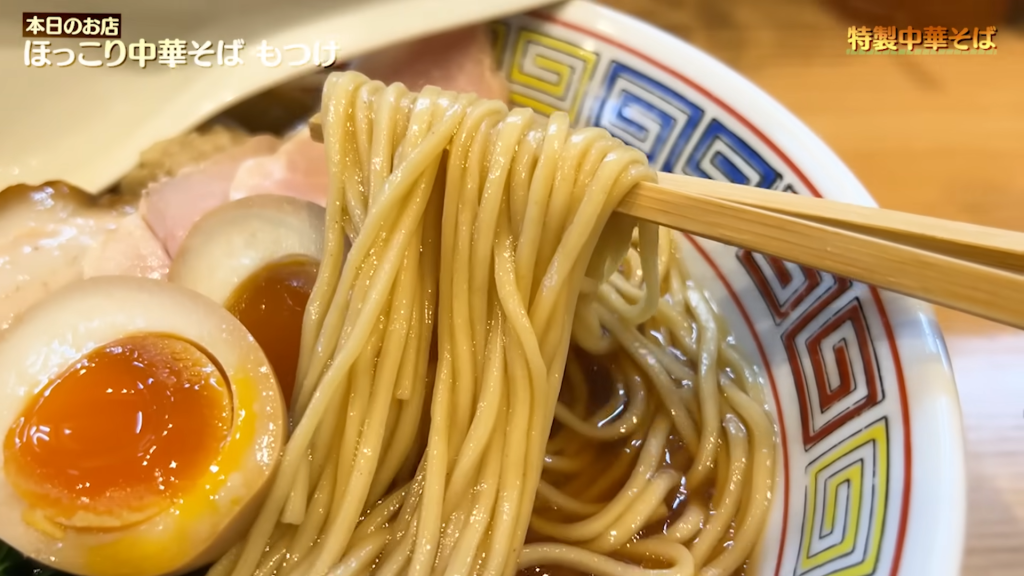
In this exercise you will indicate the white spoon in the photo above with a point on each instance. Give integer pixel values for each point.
(87, 126)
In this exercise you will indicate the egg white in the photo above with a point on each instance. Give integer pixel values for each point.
(231, 242)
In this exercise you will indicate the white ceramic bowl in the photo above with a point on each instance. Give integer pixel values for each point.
(872, 479)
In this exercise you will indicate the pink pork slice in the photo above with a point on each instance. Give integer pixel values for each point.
(170, 207)
(299, 169)
(131, 249)
(461, 60)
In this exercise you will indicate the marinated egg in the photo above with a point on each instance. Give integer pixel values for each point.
(258, 257)
(142, 423)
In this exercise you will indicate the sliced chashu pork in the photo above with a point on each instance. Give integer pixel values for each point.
(298, 168)
(130, 249)
(461, 60)
(47, 232)
(168, 157)
(170, 207)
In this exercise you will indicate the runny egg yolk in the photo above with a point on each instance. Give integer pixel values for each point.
(119, 435)
(270, 303)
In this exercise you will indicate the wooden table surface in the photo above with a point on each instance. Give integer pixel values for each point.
(941, 136)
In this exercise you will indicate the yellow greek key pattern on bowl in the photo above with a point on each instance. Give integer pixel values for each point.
(549, 75)
(845, 508)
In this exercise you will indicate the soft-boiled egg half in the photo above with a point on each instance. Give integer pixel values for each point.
(142, 423)
(258, 257)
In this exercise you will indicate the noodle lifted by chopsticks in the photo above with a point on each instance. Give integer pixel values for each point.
(485, 261)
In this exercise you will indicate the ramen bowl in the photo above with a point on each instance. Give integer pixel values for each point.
(870, 471)
(871, 477)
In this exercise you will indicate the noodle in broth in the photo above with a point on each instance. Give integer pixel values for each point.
(500, 374)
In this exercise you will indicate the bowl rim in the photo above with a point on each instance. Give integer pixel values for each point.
(932, 537)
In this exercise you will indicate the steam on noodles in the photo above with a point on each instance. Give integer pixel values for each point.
(498, 372)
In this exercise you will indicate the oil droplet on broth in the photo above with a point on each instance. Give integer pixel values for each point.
(120, 433)
(271, 303)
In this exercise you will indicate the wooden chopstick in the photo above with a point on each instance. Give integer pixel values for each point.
(961, 266)
(980, 244)
(985, 291)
